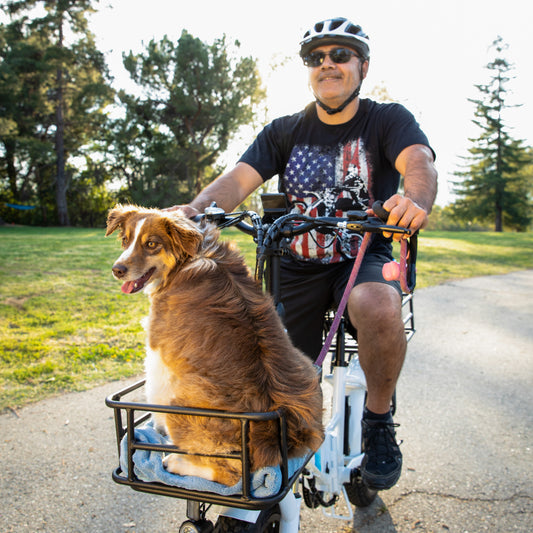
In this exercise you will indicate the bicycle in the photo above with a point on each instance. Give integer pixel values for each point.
(325, 477)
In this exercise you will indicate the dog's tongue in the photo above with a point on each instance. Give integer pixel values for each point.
(136, 285)
(128, 287)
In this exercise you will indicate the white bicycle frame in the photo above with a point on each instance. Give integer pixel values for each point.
(330, 467)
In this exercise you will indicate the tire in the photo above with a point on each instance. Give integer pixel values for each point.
(267, 522)
(358, 493)
(205, 526)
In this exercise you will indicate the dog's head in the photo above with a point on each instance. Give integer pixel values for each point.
(155, 243)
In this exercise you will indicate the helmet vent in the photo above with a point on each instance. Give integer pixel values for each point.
(355, 30)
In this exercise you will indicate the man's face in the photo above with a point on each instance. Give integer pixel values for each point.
(333, 83)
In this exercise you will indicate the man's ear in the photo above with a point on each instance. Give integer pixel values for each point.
(365, 66)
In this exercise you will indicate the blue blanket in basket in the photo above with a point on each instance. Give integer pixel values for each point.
(148, 466)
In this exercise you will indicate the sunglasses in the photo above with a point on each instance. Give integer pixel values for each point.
(337, 55)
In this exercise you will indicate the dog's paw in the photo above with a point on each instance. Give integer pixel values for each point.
(174, 463)
(181, 465)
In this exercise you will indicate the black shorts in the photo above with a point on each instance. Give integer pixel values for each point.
(308, 290)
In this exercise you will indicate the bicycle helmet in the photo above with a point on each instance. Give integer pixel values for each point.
(336, 31)
(343, 32)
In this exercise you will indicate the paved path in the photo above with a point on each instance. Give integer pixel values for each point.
(465, 401)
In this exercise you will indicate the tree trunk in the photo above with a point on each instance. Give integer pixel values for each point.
(498, 223)
(9, 147)
(61, 176)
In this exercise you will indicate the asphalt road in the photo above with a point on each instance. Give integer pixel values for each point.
(465, 409)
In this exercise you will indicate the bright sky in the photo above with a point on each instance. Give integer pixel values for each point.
(427, 53)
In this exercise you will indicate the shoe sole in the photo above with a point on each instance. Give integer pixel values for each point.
(376, 482)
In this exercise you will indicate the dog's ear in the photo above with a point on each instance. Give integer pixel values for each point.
(185, 235)
(118, 216)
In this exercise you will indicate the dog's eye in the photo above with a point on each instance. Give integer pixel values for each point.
(124, 241)
(151, 245)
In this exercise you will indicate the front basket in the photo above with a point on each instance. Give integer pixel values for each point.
(130, 415)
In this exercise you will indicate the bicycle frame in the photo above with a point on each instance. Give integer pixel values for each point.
(333, 465)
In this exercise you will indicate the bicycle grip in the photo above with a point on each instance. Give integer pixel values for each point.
(380, 211)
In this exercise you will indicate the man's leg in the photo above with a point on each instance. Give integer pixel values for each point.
(306, 295)
(375, 310)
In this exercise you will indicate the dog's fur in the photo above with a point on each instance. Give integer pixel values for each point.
(214, 341)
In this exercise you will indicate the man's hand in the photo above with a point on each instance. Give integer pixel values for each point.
(184, 210)
(406, 213)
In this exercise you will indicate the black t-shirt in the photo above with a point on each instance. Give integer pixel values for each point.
(328, 170)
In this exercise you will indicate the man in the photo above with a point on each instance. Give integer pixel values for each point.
(343, 153)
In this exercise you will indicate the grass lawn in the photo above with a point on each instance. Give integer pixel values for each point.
(446, 255)
(65, 325)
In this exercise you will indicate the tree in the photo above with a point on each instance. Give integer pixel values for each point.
(25, 110)
(195, 96)
(380, 93)
(57, 90)
(494, 186)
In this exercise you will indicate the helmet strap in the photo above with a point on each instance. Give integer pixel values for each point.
(333, 111)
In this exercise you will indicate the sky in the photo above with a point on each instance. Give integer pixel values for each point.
(429, 54)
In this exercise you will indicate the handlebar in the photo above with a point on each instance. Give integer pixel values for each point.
(289, 225)
(292, 224)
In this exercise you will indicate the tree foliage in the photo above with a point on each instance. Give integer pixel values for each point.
(496, 185)
(54, 91)
(59, 150)
(194, 97)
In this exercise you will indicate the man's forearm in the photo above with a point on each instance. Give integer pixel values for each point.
(230, 189)
(222, 191)
(420, 178)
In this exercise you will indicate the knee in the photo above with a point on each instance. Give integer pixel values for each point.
(374, 305)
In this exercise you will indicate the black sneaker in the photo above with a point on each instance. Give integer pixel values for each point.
(382, 464)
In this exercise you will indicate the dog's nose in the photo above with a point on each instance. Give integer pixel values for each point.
(119, 270)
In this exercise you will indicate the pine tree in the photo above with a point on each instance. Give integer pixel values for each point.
(494, 186)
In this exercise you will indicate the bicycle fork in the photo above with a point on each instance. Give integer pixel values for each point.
(341, 452)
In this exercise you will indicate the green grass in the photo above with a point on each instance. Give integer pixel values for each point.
(451, 255)
(65, 325)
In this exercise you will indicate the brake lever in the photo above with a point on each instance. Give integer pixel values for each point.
(374, 225)
(213, 213)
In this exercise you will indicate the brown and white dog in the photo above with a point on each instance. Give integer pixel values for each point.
(214, 341)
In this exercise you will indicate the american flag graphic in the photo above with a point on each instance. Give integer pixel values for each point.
(327, 181)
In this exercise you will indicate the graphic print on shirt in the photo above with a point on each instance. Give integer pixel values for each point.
(327, 181)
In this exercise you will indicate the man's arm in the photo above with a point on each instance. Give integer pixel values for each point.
(415, 163)
(228, 190)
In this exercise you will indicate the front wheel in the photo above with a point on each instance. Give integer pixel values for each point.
(358, 493)
(267, 522)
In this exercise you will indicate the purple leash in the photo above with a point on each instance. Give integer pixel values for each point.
(344, 300)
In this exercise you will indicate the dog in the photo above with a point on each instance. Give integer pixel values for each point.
(214, 341)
